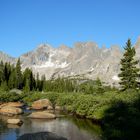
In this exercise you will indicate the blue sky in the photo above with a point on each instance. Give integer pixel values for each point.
(24, 24)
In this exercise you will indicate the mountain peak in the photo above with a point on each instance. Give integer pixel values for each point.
(137, 45)
(85, 58)
(43, 46)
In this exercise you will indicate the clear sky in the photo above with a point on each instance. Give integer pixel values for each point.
(24, 24)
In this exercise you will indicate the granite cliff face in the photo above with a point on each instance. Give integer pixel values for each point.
(6, 58)
(84, 60)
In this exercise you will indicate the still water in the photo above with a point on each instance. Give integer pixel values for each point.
(69, 127)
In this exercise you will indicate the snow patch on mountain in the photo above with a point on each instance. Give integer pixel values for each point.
(115, 78)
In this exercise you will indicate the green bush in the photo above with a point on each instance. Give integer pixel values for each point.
(52, 96)
(9, 97)
(30, 97)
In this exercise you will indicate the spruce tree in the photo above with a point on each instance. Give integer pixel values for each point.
(129, 71)
(18, 75)
(43, 82)
(1, 72)
(12, 79)
(37, 82)
(27, 86)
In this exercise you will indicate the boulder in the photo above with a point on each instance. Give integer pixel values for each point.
(14, 121)
(17, 91)
(50, 108)
(42, 115)
(41, 136)
(58, 108)
(8, 110)
(12, 104)
(41, 104)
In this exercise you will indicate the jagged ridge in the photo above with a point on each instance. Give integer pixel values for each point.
(85, 59)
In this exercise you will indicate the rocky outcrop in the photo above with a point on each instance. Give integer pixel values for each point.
(6, 58)
(42, 104)
(14, 121)
(8, 110)
(42, 115)
(41, 136)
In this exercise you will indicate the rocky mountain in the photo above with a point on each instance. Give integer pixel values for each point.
(84, 60)
(6, 58)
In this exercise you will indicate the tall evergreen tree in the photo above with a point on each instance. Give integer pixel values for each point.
(27, 85)
(12, 80)
(18, 75)
(37, 82)
(129, 71)
(43, 82)
(1, 72)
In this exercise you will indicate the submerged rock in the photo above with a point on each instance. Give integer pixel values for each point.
(41, 136)
(41, 104)
(42, 115)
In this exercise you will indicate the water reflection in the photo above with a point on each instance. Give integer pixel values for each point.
(71, 128)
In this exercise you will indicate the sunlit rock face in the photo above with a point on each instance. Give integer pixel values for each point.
(6, 58)
(84, 59)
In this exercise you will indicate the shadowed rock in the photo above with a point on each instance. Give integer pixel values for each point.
(41, 136)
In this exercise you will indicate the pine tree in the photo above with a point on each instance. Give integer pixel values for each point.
(43, 82)
(12, 79)
(27, 86)
(18, 75)
(129, 71)
(37, 82)
(1, 72)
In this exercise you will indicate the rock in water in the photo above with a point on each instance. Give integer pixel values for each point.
(14, 121)
(41, 104)
(42, 115)
(12, 104)
(6, 110)
(41, 136)
(58, 108)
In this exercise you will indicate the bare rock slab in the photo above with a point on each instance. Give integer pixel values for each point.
(12, 104)
(41, 104)
(42, 115)
(8, 110)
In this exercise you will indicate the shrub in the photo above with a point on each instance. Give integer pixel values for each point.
(9, 97)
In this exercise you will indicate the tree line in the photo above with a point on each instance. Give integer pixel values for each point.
(11, 77)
